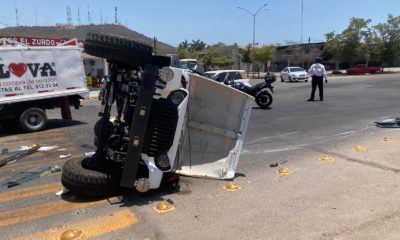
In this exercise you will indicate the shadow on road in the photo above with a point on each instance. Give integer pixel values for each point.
(10, 128)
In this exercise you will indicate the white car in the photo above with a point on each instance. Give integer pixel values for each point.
(294, 74)
(228, 77)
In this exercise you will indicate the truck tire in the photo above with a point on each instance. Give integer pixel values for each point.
(88, 183)
(33, 119)
(118, 49)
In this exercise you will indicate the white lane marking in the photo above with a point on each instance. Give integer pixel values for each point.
(275, 136)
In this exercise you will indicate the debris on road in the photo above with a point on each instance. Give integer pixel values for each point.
(24, 177)
(16, 149)
(232, 187)
(273, 165)
(65, 156)
(283, 171)
(61, 149)
(89, 154)
(19, 155)
(164, 207)
(46, 148)
(389, 123)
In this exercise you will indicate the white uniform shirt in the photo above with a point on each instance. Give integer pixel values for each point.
(317, 69)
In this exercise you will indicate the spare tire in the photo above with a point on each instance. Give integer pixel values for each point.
(118, 49)
(86, 182)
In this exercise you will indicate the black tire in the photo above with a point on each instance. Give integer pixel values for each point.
(86, 182)
(33, 119)
(290, 79)
(282, 79)
(118, 49)
(263, 99)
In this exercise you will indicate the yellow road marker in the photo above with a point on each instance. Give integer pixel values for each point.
(283, 171)
(89, 228)
(43, 210)
(360, 148)
(388, 139)
(164, 207)
(326, 158)
(232, 187)
(31, 191)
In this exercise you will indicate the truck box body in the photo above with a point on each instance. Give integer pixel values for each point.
(28, 73)
(33, 79)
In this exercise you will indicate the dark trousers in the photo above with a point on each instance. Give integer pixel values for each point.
(317, 81)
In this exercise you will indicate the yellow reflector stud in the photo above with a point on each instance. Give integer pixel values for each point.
(388, 139)
(232, 187)
(164, 207)
(326, 158)
(72, 234)
(360, 148)
(283, 171)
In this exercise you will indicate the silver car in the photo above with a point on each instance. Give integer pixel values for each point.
(294, 74)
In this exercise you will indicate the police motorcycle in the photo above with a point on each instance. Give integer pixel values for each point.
(168, 122)
(259, 91)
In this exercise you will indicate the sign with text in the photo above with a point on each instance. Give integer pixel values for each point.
(25, 71)
(37, 42)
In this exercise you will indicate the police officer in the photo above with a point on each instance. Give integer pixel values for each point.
(318, 74)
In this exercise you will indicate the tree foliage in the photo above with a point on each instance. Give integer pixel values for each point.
(388, 39)
(263, 54)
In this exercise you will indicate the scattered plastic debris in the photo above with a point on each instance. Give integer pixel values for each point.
(283, 171)
(46, 148)
(326, 158)
(164, 207)
(61, 149)
(89, 154)
(65, 156)
(388, 140)
(63, 191)
(360, 148)
(273, 165)
(232, 187)
(24, 177)
(19, 155)
(389, 123)
(16, 149)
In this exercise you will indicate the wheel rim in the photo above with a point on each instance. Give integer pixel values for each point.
(264, 99)
(34, 120)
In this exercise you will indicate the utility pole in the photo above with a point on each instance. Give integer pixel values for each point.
(116, 16)
(301, 35)
(16, 16)
(79, 17)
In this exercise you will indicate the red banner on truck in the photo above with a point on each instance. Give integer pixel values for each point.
(37, 41)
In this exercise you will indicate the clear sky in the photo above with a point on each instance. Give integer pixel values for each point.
(212, 21)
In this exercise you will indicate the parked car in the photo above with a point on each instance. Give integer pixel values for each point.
(294, 74)
(363, 68)
(229, 76)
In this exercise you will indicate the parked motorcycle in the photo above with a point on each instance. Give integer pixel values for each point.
(259, 91)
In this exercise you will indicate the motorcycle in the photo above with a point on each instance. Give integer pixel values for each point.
(259, 91)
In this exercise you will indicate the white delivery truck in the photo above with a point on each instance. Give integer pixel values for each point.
(33, 79)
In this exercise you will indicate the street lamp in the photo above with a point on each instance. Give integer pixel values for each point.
(254, 19)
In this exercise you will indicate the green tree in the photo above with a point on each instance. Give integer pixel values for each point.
(334, 47)
(246, 56)
(388, 39)
(262, 55)
(216, 57)
(197, 45)
(354, 40)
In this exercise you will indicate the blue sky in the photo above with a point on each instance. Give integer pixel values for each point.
(212, 21)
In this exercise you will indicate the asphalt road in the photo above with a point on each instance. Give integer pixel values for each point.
(354, 196)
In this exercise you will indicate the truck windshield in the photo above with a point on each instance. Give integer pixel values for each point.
(188, 64)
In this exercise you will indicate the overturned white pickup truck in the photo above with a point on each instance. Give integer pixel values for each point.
(33, 79)
(164, 124)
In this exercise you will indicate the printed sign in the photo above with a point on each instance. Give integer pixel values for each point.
(33, 41)
(32, 71)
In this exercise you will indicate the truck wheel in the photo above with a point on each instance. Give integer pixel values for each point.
(117, 49)
(33, 119)
(86, 182)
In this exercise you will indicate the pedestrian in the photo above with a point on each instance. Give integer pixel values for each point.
(318, 74)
